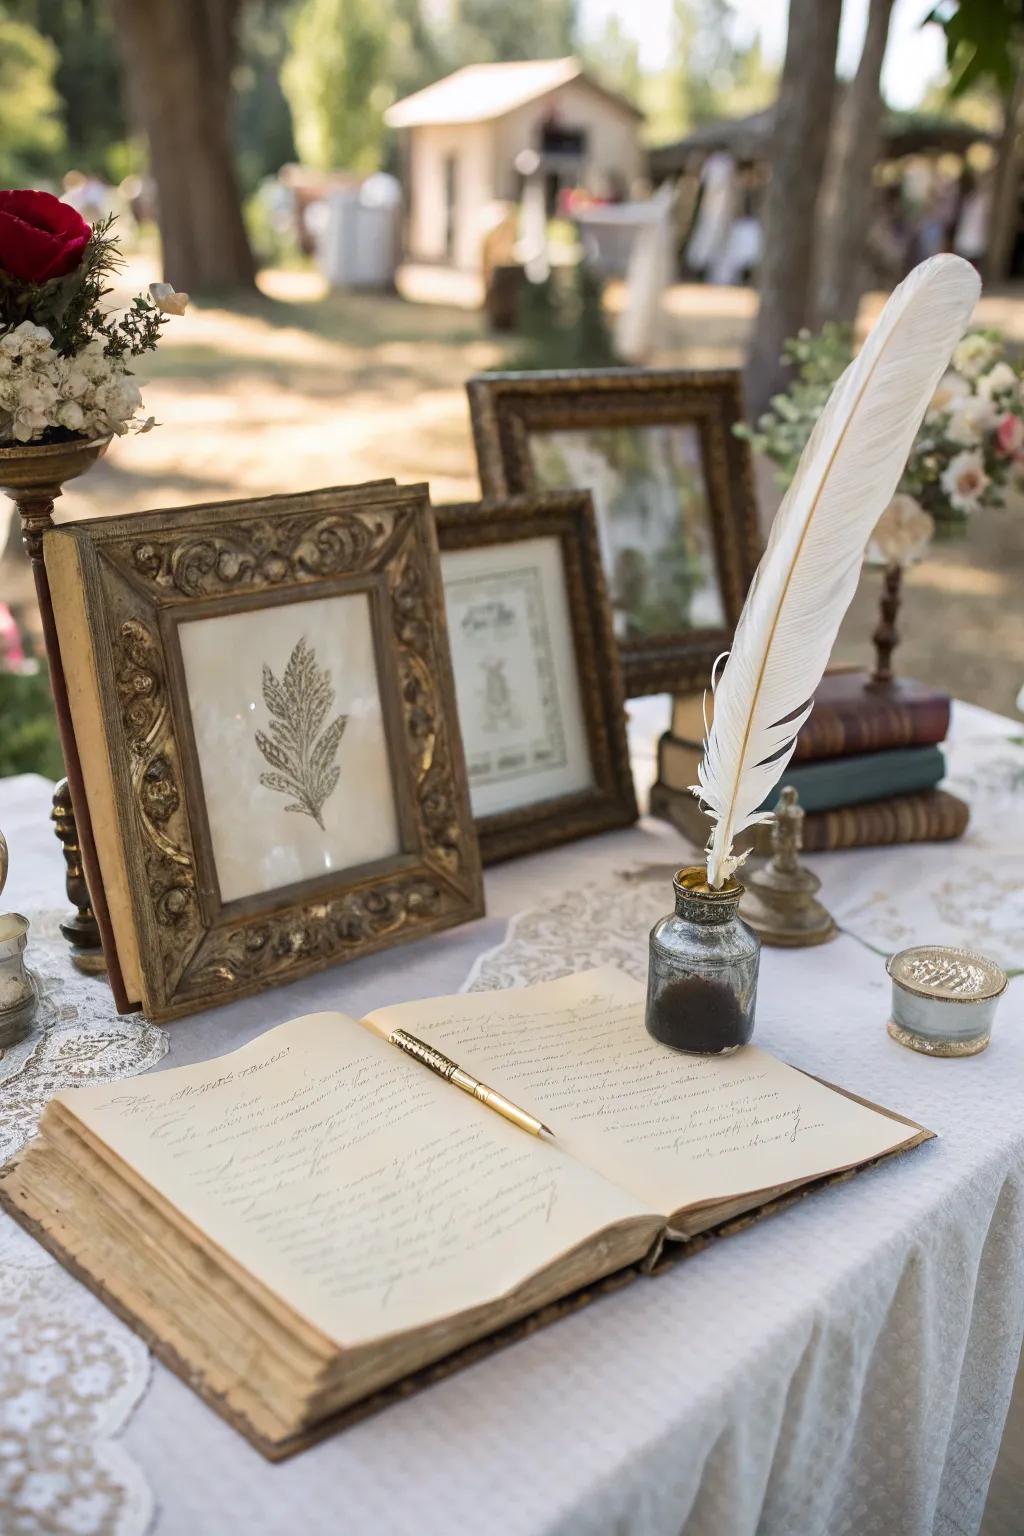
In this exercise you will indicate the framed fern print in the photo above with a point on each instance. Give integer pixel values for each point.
(263, 703)
(287, 701)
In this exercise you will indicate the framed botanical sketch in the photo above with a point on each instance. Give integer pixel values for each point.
(537, 675)
(262, 699)
(672, 490)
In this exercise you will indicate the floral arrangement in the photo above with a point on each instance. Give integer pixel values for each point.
(971, 444)
(64, 358)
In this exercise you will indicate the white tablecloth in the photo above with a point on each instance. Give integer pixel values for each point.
(842, 1368)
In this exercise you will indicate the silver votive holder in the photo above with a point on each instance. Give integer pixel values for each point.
(18, 998)
(944, 999)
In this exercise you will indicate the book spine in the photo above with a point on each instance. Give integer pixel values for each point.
(931, 817)
(833, 731)
(828, 784)
(833, 783)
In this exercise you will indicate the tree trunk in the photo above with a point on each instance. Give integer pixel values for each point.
(803, 115)
(177, 60)
(845, 213)
(1005, 215)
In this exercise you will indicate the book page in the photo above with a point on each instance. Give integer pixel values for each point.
(674, 1130)
(367, 1193)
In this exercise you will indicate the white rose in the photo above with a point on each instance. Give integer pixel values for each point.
(29, 424)
(970, 420)
(901, 534)
(74, 381)
(32, 399)
(71, 415)
(92, 361)
(963, 480)
(998, 381)
(951, 389)
(26, 339)
(974, 354)
(166, 300)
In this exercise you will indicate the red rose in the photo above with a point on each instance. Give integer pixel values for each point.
(40, 237)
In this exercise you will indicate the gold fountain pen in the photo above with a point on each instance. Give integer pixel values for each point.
(453, 1073)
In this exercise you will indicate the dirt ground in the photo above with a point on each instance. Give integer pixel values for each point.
(299, 390)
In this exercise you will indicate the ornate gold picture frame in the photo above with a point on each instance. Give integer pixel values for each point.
(673, 493)
(537, 673)
(262, 698)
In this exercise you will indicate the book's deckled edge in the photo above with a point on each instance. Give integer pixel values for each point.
(664, 1257)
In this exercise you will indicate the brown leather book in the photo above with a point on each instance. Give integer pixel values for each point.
(932, 816)
(848, 717)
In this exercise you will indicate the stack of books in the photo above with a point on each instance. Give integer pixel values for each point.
(866, 768)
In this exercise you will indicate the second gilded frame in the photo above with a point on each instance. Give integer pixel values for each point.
(673, 495)
(537, 675)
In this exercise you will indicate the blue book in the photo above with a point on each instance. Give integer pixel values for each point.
(831, 782)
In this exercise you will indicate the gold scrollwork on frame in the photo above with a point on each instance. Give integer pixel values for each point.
(144, 576)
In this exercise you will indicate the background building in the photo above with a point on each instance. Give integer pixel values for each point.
(462, 138)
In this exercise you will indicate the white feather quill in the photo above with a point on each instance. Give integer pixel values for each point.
(808, 574)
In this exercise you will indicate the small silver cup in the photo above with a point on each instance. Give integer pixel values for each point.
(944, 999)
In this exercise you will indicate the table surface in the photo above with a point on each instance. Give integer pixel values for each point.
(844, 1367)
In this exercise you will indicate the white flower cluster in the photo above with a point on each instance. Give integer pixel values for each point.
(975, 424)
(88, 394)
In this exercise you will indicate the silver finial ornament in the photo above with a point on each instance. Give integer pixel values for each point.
(18, 999)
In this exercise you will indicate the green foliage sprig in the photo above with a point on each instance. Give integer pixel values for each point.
(28, 726)
(817, 361)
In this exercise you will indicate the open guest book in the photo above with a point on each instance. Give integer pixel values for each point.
(306, 1227)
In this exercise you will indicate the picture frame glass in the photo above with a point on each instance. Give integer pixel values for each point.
(653, 507)
(287, 719)
(518, 690)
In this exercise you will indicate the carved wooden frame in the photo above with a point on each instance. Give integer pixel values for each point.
(506, 407)
(144, 574)
(610, 801)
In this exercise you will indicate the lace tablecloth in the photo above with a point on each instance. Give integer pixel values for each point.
(842, 1370)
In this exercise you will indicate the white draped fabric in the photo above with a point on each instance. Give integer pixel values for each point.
(842, 1369)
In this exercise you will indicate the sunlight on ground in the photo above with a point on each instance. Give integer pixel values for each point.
(298, 387)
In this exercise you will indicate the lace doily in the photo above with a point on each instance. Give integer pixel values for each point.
(602, 923)
(70, 1373)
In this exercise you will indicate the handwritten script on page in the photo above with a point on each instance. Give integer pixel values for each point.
(368, 1194)
(674, 1130)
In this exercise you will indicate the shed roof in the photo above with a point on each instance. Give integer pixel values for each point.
(749, 138)
(479, 92)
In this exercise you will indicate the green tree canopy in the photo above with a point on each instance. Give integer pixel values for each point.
(336, 82)
(984, 42)
(87, 79)
(31, 131)
(500, 31)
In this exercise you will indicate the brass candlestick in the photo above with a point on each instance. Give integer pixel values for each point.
(80, 929)
(33, 476)
(886, 636)
(780, 901)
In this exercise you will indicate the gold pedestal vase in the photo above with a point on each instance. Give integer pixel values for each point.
(33, 476)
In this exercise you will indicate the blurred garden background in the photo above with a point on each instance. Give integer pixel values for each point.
(370, 200)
